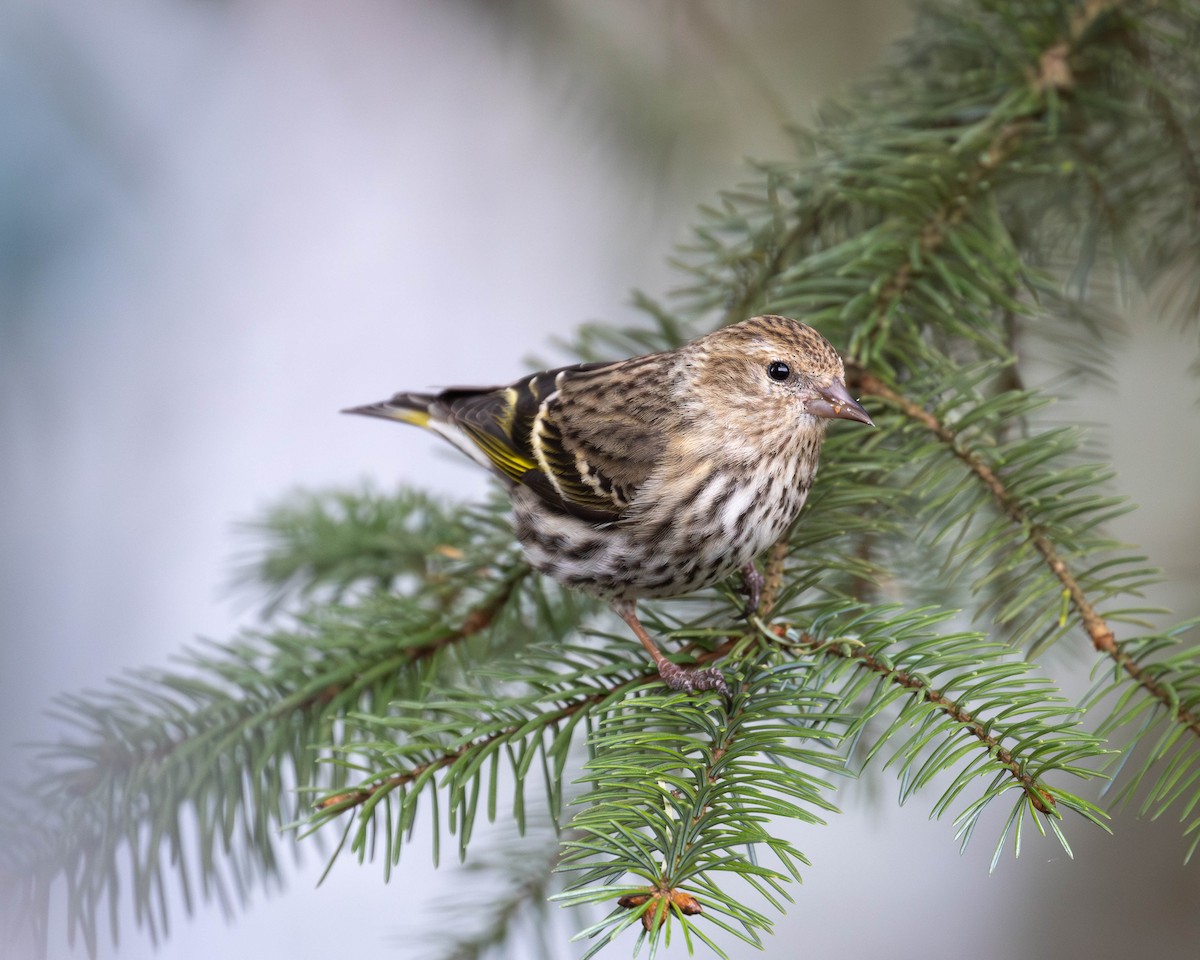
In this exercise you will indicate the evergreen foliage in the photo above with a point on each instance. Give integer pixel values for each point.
(1015, 161)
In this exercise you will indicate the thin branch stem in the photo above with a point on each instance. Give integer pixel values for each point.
(773, 575)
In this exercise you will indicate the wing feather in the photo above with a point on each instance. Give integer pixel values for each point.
(585, 437)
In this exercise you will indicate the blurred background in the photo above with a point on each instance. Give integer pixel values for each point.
(222, 222)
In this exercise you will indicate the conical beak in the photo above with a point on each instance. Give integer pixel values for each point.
(835, 402)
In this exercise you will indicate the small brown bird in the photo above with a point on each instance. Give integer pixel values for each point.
(658, 475)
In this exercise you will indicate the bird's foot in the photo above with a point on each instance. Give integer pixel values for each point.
(693, 679)
(752, 585)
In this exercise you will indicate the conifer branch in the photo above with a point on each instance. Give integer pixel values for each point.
(479, 618)
(349, 799)
(665, 895)
(1012, 117)
(317, 694)
(344, 800)
(681, 796)
(1102, 636)
(933, 233)
(165, 749)
(906, 232)
(1097, 629)
(800, 640)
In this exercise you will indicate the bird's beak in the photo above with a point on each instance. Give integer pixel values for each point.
(835, 402)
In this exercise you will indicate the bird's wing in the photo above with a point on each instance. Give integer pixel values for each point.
(578, 436)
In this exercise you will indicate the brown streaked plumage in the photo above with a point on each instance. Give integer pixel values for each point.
(658, 475)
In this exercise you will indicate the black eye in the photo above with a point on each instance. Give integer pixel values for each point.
(778, 370)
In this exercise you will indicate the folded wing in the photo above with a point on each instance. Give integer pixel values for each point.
(578, 436)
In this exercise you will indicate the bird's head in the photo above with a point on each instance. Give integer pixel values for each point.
(773, 371)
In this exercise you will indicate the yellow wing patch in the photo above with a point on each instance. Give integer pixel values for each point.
(504, 457)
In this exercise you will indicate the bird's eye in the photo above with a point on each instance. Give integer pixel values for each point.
(778, 370)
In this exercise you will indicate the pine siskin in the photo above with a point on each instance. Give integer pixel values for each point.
(657, 475)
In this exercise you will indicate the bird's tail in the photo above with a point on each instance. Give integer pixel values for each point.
(406, 407)
(442, 413)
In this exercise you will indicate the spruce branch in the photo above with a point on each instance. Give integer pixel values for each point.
(1017, 727)
(220, 746)
(1168, 772)
(328, 546)
(469, 753)
(927, 237)
(1098, 630)
(558, 701)
(1028, 732)
(422, 668)
(1039, 796)
(1170, 683)
(681, 786)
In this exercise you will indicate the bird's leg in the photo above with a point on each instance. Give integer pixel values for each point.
(752, 585)
(689, 679)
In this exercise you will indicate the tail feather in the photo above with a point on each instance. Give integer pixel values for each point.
(406, 407)
(433, 411)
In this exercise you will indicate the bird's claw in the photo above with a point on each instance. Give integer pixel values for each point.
(692, 679)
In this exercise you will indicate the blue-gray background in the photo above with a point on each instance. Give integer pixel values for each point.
(221, 222)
